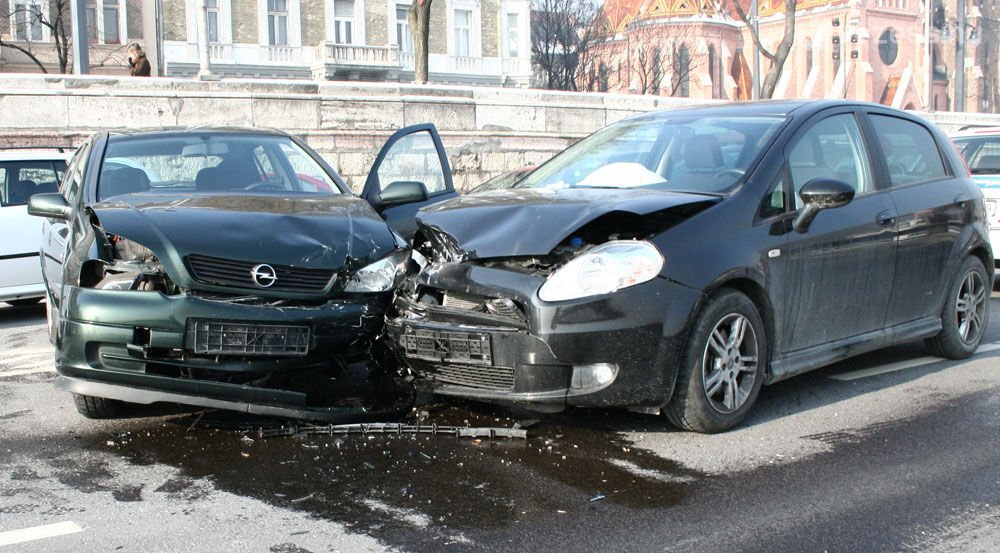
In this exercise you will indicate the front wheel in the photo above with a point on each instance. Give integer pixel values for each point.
(723, 368)
(966, 312)
(97, 407)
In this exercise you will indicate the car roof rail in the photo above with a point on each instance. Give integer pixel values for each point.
(60, 149)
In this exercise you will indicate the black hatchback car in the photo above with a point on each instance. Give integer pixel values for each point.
(679, 260)
(213, 267)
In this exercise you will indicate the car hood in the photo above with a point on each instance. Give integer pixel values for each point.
(316, 232)
(509, 223)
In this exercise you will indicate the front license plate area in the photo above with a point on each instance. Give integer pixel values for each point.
(470, 348)
(227, 338)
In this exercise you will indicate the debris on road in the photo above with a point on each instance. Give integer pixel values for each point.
(395, 428)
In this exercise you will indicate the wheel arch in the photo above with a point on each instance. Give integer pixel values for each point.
(758, 296)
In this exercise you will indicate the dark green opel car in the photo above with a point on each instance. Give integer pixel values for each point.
(216, 267)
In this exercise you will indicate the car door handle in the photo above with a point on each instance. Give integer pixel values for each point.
(885, 219)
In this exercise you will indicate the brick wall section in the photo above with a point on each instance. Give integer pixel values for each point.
(313, 14)
(375, 22)
(438, 35)
(133, 18)
(486, 131)
(174, 20)
(489, 10)
(246, 18)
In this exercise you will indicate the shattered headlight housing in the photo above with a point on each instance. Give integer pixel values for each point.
(134, 267)
(604, 269)
(380, 276)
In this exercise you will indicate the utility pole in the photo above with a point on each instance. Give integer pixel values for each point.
(960, 58)
(928, 58)
(81, 42)
(755, 77)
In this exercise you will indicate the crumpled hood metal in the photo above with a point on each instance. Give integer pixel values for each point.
(318, 232)
(509, 223)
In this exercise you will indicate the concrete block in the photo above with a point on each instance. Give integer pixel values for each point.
(526, 118)
(361, 114)
(28, 111)
(445, 115)
(574, 119)
(285, 113)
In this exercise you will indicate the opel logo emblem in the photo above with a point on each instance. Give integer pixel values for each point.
(264, 275)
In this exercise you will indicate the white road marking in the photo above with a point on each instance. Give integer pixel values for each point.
(39, 533)
(902, 365)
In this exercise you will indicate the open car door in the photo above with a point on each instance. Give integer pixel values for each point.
(411, 171)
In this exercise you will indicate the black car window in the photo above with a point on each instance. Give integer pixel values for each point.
(22, 179)
(830, 149)
(911, 154)
(982, 154)
(773, 203)
(72, 181)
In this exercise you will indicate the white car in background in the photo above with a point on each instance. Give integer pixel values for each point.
(23, 173)
(981, 149)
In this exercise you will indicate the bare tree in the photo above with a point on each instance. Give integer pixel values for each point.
(656, 51)
(561, 32)
(29, 18)
(987, 55)
(780, 54)
(419, 17)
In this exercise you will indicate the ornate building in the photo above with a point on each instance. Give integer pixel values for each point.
(886, 51)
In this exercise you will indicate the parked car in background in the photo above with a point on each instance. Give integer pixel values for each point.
(225, 268)
(981, 150)
(677, 261)
(24, 172)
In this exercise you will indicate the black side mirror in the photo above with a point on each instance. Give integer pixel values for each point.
(402, 192)
(52, 205)
(820, 194)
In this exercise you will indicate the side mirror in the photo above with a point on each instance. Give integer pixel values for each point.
(402, 192)
(52, 205)
(820, 194)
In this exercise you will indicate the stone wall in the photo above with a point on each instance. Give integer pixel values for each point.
(486, 131)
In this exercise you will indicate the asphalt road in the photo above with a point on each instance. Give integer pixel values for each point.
(893, 451)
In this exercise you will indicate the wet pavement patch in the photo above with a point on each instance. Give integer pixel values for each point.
(419, 488)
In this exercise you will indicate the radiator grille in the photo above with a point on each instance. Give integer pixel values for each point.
(225, 338)
(497, 379)
(226, 272)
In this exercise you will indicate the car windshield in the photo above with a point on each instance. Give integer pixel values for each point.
(211, 163)
(683, 153)
(982, 153)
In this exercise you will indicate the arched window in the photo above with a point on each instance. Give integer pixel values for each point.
(809, 56)
(682, 71)
(713, 70)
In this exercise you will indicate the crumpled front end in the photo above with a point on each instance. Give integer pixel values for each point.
(478, 329)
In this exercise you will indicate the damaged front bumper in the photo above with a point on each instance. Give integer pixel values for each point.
(147, 347)
(459, 333)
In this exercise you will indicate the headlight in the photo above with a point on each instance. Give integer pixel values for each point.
(602, 270)
(380, 276)
(134, 267)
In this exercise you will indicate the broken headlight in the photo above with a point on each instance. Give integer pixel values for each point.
(602, 270)
(134, 267)
(381, 276)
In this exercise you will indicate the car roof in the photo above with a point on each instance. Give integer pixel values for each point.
(34, 155)
(179, 132)
(976, 131)
(778, 108)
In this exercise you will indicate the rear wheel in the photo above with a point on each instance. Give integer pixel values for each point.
(97, 407)
(966, 312)
(723, 367)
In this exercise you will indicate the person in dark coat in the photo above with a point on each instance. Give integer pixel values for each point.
(138, 65)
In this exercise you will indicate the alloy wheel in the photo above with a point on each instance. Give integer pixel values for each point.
(971, 307)
(729, 363)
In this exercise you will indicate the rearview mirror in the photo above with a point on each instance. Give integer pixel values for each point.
(52, 205)
(402, 192)
(820, 194)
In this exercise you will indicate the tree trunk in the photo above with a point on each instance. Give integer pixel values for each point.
(419, 17)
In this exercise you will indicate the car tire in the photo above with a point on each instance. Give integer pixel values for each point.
(97, 407)
(718, 398)
(25, 302)
(966, 312)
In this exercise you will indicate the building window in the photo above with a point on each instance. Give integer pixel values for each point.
(888, 48)
(28, 15)
(682, 71)
(513, 36)
(463, 32)
(343, 21)
(404, 38)
(103, 22)
(277, 22)
(809, 56)
(212, 21)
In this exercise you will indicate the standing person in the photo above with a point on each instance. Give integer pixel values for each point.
(138, 65)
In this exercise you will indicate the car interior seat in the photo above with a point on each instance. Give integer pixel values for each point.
(126, 180)
(22, 191)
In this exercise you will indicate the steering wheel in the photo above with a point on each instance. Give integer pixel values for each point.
(264, 185)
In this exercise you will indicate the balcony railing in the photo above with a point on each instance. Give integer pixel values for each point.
(216, 52)
(516, 66)
(464, 64)
(406, 60)
(281, 54)
(349, 54)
